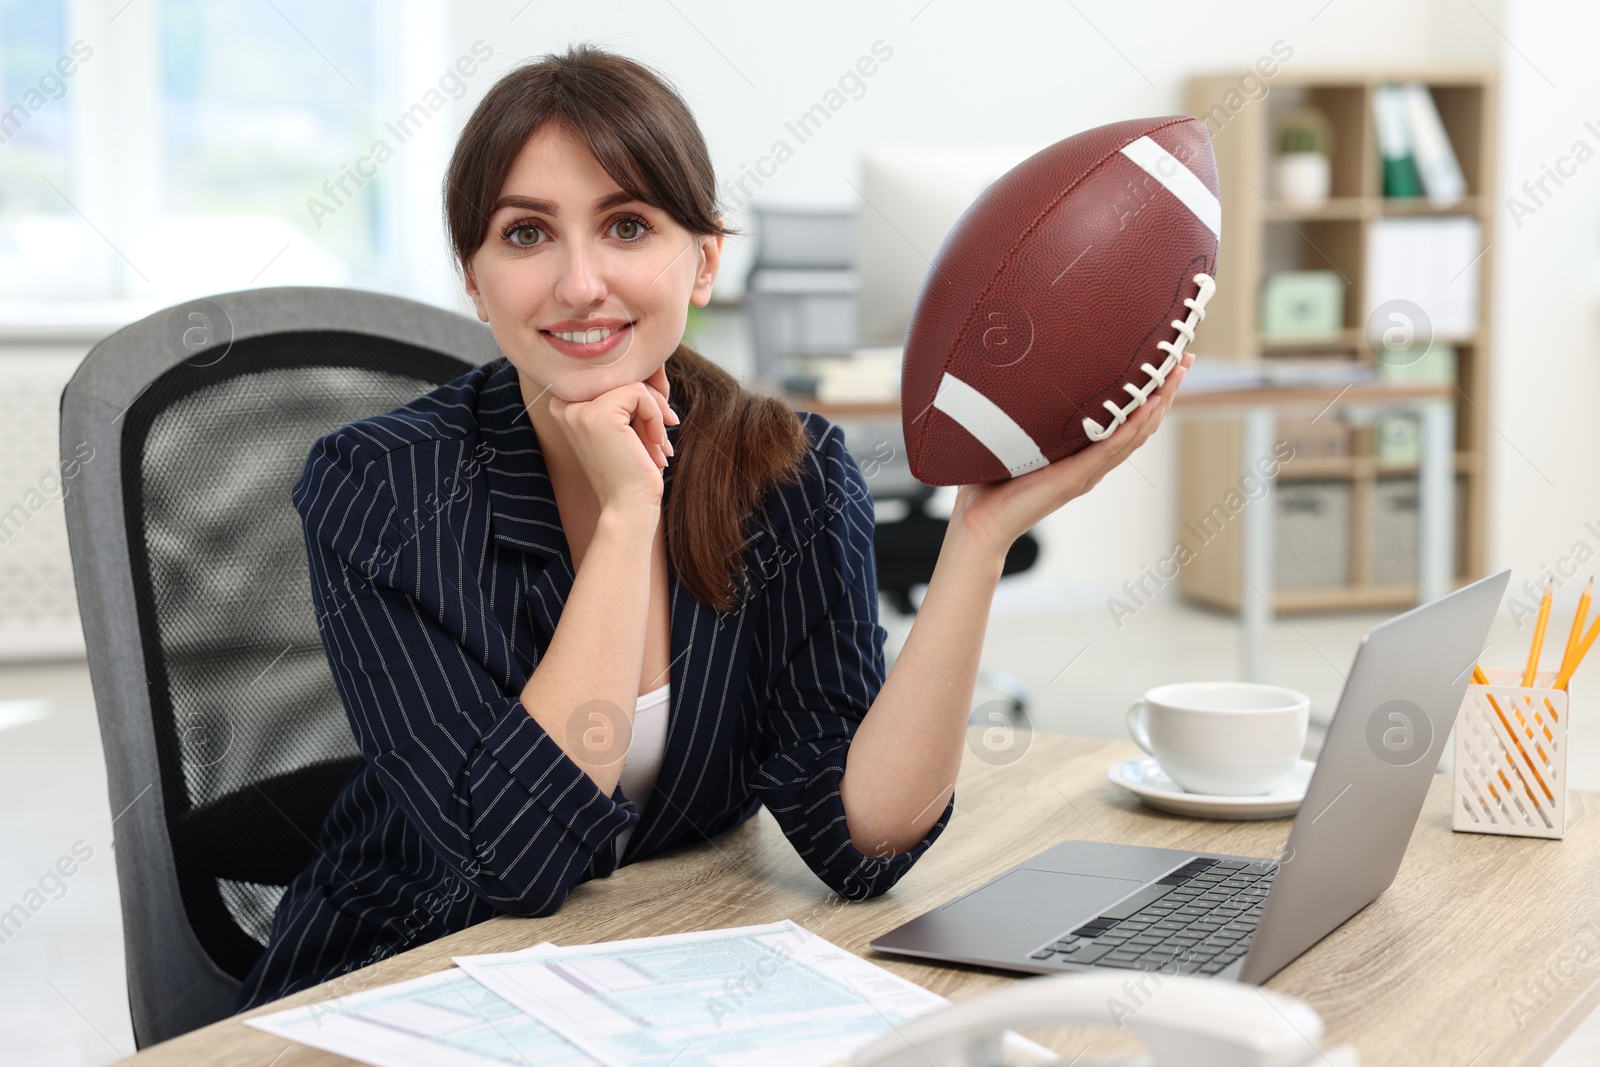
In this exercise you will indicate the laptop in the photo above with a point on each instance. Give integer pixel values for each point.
(1095, 904)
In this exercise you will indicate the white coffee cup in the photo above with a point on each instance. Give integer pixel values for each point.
(1223, 738)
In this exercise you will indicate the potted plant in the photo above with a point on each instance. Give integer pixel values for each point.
(1301, 172)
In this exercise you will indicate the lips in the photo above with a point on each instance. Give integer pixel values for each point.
(584, 349)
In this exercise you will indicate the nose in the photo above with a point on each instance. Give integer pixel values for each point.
(582, 279)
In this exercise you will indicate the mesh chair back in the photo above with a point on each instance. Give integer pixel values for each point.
(225, 739)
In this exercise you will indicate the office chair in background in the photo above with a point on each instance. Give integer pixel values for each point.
(801, 289)
(224, 736)
(802, 296)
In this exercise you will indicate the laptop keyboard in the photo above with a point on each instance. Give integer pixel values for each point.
(1196, 920)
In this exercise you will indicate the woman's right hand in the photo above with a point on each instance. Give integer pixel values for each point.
(620, 438)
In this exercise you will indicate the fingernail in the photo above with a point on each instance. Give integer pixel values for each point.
(670, 450)
(674, 414)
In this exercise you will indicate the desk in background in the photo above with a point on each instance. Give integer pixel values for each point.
(1259, 407)
(1469, 958)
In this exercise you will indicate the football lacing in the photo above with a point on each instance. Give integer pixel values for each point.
(1158, 375)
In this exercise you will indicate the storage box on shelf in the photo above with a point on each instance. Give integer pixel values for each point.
(1312, 542)
(1392, 545)
(1265, 240)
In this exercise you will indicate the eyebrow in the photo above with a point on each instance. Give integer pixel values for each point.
(545, 207)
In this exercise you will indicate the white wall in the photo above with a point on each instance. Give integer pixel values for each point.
(1545, 453)
(1005, 71)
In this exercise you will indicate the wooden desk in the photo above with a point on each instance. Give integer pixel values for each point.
(1259, 407)
(1311, 398)
(1430, 973)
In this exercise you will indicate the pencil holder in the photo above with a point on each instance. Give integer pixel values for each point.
(1511, 757)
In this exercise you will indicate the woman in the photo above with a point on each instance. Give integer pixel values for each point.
(593, 599)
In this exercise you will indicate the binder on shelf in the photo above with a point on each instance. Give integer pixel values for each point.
(1400, 178)
(1436, 162)
(1433, 264)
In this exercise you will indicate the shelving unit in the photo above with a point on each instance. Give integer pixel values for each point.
(1261, 234)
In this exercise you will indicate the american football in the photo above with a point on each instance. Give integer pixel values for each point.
(1060, 300)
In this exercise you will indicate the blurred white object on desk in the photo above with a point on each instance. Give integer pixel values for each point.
(862, 376)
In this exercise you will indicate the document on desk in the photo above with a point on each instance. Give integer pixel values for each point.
(439, 1020)
(777, 995)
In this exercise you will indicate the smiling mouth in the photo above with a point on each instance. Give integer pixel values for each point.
(586, 337)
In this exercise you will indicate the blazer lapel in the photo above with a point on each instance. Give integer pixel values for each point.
(522, 504)
(684, 613)
(525, 518)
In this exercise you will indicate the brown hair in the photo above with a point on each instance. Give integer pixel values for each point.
(735, 446)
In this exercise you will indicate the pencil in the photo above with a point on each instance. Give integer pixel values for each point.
(1579, 617)
(1538, 634)
(1577, 655)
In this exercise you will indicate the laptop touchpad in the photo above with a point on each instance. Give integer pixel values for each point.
(1014, 913)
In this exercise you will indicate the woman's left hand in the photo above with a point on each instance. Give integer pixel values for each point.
(997, 513)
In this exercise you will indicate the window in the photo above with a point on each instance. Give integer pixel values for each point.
(39, 235)
(261, 103)
(162, 149)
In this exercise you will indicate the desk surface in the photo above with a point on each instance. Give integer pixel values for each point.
(1486, 950)
(1214, 401)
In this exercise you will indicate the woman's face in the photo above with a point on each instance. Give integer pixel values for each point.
(585, 289)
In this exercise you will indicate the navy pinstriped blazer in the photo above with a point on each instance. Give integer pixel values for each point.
(439, 569)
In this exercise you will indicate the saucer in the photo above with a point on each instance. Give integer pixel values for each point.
(1145, 779)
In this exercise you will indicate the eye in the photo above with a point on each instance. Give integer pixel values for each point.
(521, 226)
(637, 228)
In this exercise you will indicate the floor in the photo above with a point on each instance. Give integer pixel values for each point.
(62, 998)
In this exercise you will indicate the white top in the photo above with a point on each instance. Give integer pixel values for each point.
(645, 749)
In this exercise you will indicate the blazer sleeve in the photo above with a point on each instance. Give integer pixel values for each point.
(488, 788)
(825, 688)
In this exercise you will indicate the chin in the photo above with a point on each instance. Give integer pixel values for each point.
(576, 391)
(578, 384)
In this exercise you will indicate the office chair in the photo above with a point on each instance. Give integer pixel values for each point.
(224, 736)
(800, 292)
(906, 549)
